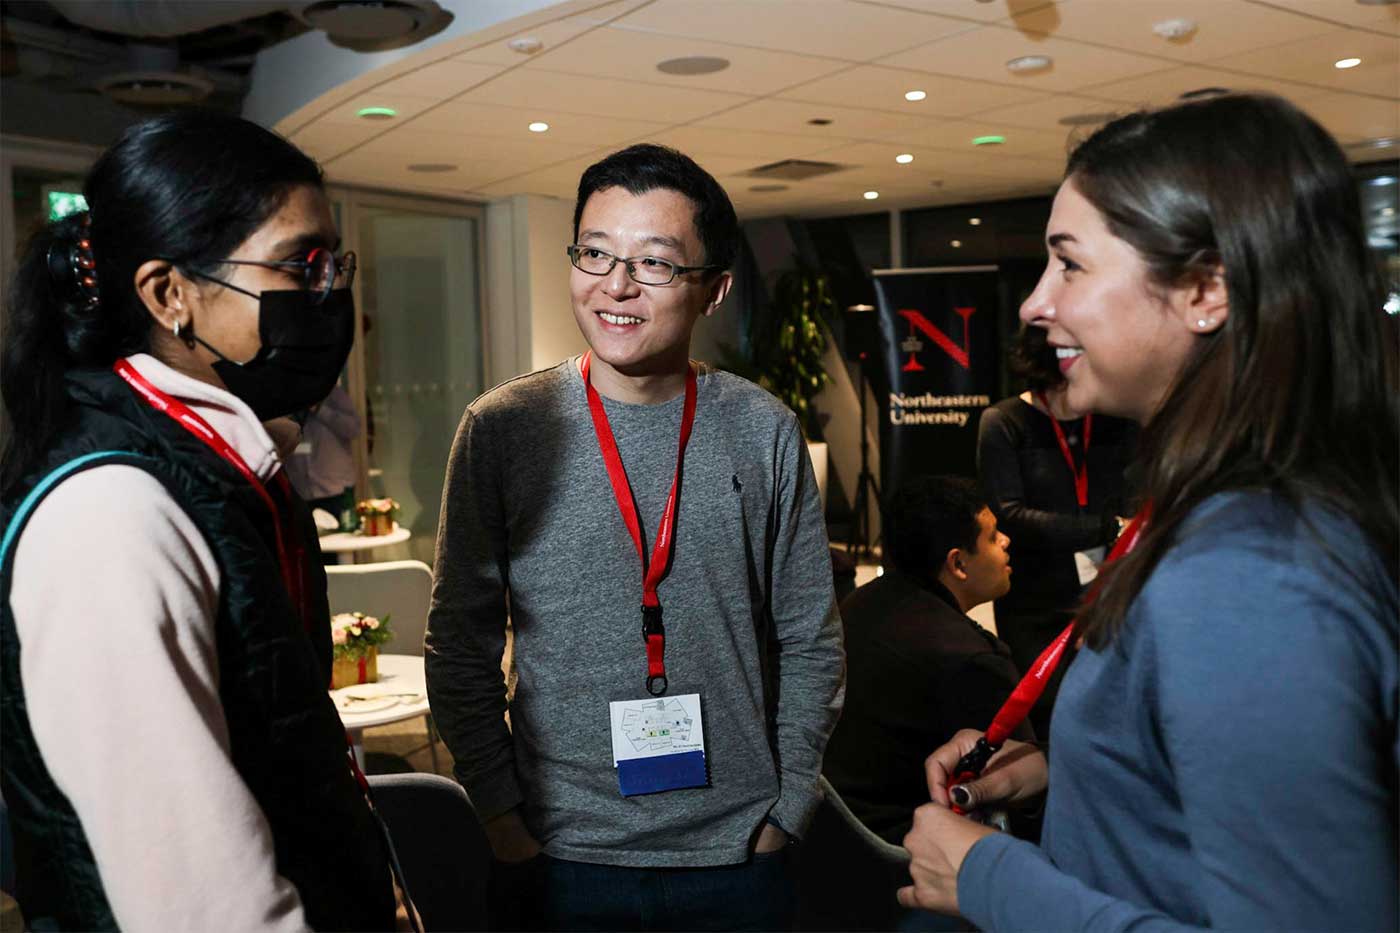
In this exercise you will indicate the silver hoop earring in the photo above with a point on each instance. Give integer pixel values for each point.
(176, 330)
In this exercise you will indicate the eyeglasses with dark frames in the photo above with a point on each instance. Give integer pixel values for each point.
(321, 271)
(644, 270)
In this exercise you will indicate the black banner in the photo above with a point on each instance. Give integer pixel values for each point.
(940, 350)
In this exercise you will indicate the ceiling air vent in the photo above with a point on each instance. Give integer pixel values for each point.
(794, 170)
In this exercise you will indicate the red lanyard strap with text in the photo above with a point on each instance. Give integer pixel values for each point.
(1081, 475)
(1032, 685)
(653, 632)
(188, 419)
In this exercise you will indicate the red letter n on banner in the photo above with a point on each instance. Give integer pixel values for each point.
(958, 354)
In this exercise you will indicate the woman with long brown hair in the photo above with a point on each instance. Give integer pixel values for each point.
(1224, 746)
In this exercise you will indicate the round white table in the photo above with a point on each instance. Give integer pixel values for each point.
(400, 693)
(345, 543)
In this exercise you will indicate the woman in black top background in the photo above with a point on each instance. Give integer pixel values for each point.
(1035, 495)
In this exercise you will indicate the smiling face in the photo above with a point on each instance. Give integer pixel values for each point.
(640, 334)
(1120, 342)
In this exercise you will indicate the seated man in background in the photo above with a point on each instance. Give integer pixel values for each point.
(918, 669)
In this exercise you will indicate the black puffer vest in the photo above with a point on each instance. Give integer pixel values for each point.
(286, 740)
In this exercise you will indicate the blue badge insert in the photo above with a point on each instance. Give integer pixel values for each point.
(658, 744)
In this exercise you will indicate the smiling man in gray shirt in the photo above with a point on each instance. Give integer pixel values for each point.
(534, 523)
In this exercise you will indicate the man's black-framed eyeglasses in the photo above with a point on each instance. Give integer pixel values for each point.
(644, 270)
(321, 271)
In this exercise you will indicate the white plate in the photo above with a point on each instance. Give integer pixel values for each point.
(353, 704)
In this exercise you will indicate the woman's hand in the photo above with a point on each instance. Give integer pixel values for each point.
(1014, 775)
(937, 844)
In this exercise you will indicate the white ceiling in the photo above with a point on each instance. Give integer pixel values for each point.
(467, 103)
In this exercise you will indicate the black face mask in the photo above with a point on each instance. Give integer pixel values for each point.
(304, 348)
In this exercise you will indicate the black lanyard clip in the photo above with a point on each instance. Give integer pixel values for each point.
(651, 622)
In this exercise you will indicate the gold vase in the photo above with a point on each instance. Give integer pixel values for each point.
(363, 670)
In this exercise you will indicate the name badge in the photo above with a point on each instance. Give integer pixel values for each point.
(1087, 563)
(658, 744)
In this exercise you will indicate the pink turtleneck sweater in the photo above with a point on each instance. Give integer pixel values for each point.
(115, 594)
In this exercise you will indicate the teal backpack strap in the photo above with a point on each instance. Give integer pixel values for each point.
(46, 485)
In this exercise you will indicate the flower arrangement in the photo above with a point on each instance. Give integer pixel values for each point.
(355, 641)
(377, 515)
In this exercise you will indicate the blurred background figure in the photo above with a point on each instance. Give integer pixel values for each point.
(322, 469)
(1054, 477)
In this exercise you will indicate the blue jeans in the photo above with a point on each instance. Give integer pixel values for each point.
(552, 894)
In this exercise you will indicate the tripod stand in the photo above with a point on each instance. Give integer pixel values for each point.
(859, 543)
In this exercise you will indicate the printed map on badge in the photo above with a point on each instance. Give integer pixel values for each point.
(658, 744)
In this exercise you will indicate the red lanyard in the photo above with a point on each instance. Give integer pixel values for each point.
(192, 422)
(652, 630)
(1081, 475)
(1032, 685)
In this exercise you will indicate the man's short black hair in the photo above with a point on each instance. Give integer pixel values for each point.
(927, 517)
(647, 167)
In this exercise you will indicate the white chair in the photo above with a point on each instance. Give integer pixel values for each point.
(400, 589)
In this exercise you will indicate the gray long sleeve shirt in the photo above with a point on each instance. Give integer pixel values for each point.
(529, 521)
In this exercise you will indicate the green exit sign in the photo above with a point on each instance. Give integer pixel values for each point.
(63, 203)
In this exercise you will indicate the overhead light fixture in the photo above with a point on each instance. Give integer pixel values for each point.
(820, 121)
(1174, 30)
(525, 45)
(767, 189)
(538, 127)
(956, 244)
(1027, 63)
(693, 65)
(1382, 181)
(1387, 212)
(904, 158)
(988, 140)
(373, 25)
(1345, 63)
(376, 113)
(914, 95)
(432, 168)
(871, 195)
(974, 221)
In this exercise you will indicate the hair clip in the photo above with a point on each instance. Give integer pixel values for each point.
(72, 265)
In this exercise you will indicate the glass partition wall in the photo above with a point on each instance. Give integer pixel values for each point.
(417, 361)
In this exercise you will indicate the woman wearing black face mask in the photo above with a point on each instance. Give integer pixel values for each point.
(169, 754)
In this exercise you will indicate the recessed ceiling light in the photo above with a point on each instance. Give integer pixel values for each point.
(693, 65)
(871, 195)
(1387, 212)
(904, 158)
(432, 168)
(988, 140)
(525, 45)
(538, 127)
(914, 95)
(1345, 63)
(820, 121)
(376, 113)
(1029, 63)
(975, 221)
(956, 244)
(1382, 180)
(1174, 30)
